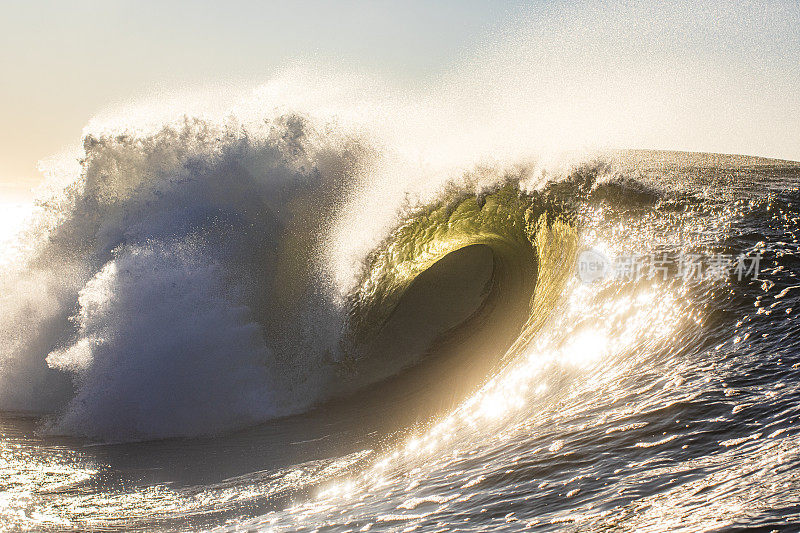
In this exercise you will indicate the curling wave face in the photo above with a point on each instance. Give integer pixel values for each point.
(518, 237)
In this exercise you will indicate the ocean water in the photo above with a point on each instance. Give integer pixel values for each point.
(273, 327)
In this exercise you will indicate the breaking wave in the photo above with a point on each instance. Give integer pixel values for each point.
(190, 279)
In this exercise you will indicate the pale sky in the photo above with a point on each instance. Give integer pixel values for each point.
(682, 75)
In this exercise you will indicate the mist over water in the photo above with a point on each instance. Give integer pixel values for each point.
(335, 302)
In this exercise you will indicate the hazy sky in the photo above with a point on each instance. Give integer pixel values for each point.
(685, 75)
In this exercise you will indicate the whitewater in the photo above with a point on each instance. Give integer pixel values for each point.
(293, 315)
